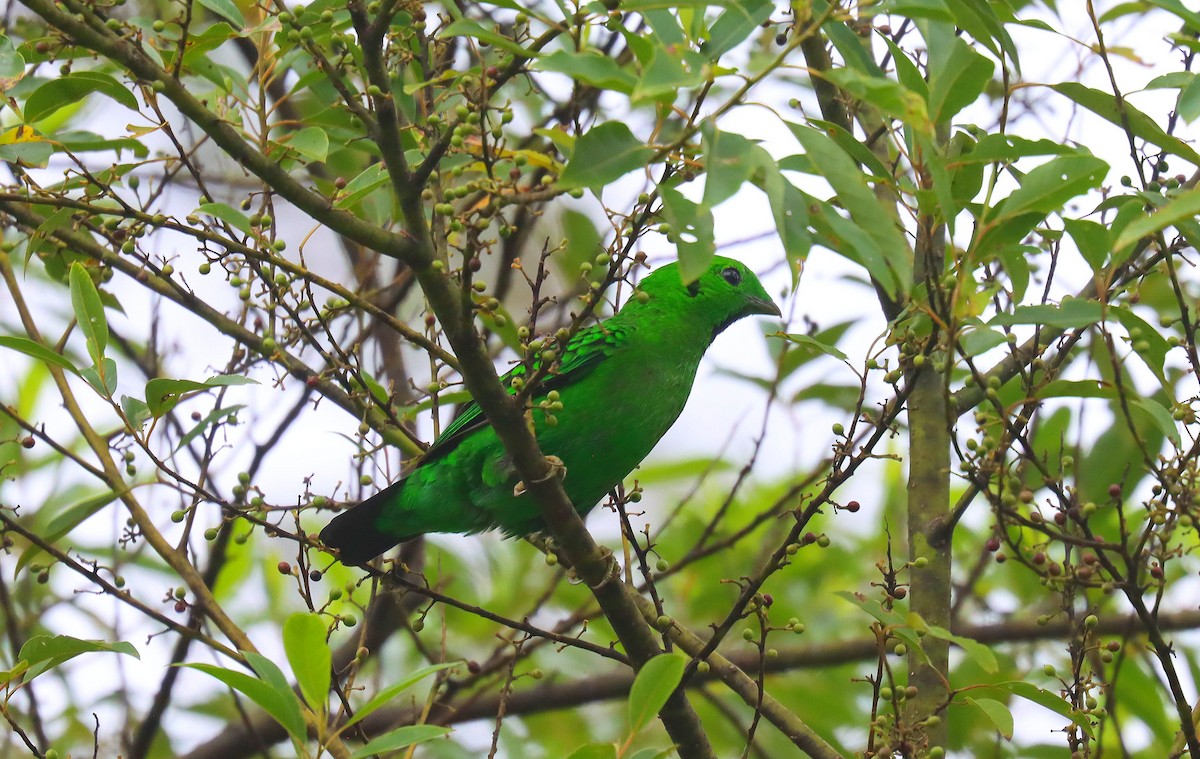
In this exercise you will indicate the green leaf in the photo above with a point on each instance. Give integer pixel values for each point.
(1188, 106)
(1088, 388)
(467, 28)
(281, 704)
(734, 25)
(1094, 240)
(1069, 315)
(809, 341)
(653, 753)
(70, 517)
(70, 89)
(370, 179)
(18, 669)
(590, 67)
(1149, 343)
(997, 712)
(106, 383)
(845, 39)
(886, 258)
(12, 65)
(582, 240)
(1043, 697)
(874, 608)
(1158, 414)
(851, 241)
(228, 214)
(1006, 148)
(888, 95)
(853, 148)
(44, 652)
(82, 142)
(89, 311)
(692, 228)
(1182, 206)
(1189, 17)
(225, 9)
(163, 394)
(135, 410)
(729, 160)
(668, 72)
(981, 654)
(942, 203)
(213, 416)
(595, 751)
(958, 81)
(603, 155)
(789, 208)
(978, 18)
(385, 696)
(1105, 105)
(30, 153)
(1048, 187)
(38, 351)
(653, 685)
(401, 737)
(981, 340)
(310, 142)
(931, 9)
(310, 658)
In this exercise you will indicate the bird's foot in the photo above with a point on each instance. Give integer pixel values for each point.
(558, 470)
(611, 570)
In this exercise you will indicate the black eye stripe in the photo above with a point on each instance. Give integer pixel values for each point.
(732, 276)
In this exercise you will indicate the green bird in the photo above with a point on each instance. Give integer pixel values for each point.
(621, 384)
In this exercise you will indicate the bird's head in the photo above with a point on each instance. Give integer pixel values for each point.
(726, 292)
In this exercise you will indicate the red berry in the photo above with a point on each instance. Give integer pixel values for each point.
(853, 506)
(1039, 558)
(27, 441)
(993, 544)
(1114, 490)
(284, 568)
(180, 607)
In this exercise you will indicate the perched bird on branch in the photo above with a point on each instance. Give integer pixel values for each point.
(618, 387)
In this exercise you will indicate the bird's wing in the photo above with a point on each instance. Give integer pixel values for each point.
(585, 350)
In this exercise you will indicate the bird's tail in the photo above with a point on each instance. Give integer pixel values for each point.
(355, 532)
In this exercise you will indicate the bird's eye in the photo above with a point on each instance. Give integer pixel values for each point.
(732, 276)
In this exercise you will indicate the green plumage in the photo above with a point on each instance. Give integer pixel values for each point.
(622, 383)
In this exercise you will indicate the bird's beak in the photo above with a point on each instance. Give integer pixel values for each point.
(765, 307)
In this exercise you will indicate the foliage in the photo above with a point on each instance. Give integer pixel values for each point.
(231, 228)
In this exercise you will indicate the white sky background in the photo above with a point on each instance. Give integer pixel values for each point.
(722, 411)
